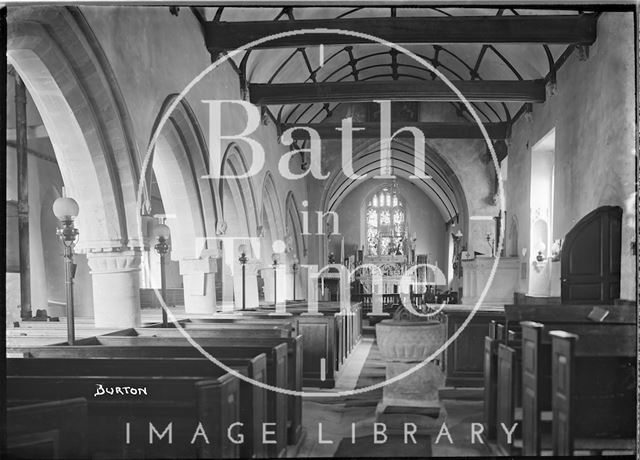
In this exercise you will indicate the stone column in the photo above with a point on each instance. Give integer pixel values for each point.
(199, 282)
(116, 287)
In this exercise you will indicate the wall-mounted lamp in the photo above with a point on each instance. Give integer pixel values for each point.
(66, 210)
(541, 247)
(556, 250)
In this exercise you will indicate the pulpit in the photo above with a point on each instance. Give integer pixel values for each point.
(475, 276)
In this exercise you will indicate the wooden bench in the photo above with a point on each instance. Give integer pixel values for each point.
(292, 367)
(285, 411)
(522, 393)
(214, 330)
(54, 429)
(594, 391)
(242, 321)
(329, 337)
(252, 400)
(536, 373)
(513, 315)
(182, 401)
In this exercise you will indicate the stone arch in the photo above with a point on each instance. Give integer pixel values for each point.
(298, 247)
(237, 193)
(444, 188)
(56, 54)
(239, 217)
(271, 204)
(180, 160)
(61, 63)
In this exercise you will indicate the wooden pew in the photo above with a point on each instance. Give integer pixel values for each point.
(293, 371)
(508, 392)
(54, 429)
(329, 336)
(254, 331)
(491, 342)
(242, 321)
(512, 317)
(536, 375)
(594, 390)
(171, 347)
(252, 400)
(182, 401)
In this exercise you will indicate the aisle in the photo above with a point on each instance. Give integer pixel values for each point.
(337, 414)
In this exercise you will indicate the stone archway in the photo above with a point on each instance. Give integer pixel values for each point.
(298, 246)
(189, 204)
(239, 220)
(77, 96)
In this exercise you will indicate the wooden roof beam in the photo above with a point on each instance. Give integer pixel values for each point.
(578, 29)
(367, 91)
(431, 130)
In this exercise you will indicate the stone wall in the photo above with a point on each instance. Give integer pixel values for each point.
(593, 116)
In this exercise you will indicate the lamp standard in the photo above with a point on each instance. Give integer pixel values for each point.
(162, 235)
(66, 210)
(243, 249)
(295, 265)
(275, 257)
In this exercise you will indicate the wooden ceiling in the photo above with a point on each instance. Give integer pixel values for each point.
(500, 58)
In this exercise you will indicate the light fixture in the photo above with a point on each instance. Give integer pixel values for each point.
(294, 266)
(66, 210)
(275, 257)
(162, 236)
(541, 247)
(243, 250)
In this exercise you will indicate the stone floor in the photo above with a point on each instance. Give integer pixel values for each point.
(337, 415)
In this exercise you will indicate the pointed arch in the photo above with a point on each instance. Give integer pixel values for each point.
(293, 218)
(271, 205)
(64, 68)
(237, 193)
(180, 159)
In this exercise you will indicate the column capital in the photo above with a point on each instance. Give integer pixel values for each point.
(109, 260)
(98, 246)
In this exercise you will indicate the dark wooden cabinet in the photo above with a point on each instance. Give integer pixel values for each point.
(464, 358)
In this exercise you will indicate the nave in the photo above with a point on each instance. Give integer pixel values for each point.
(315, 214)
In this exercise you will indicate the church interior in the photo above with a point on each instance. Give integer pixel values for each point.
(320, 231)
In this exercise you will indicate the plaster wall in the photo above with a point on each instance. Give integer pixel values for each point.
(153, 65)
(46, 263)
(593, 114)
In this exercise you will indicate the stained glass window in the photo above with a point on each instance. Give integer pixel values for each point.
(385, 222)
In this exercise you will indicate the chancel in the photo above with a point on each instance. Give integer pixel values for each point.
(403, 230)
